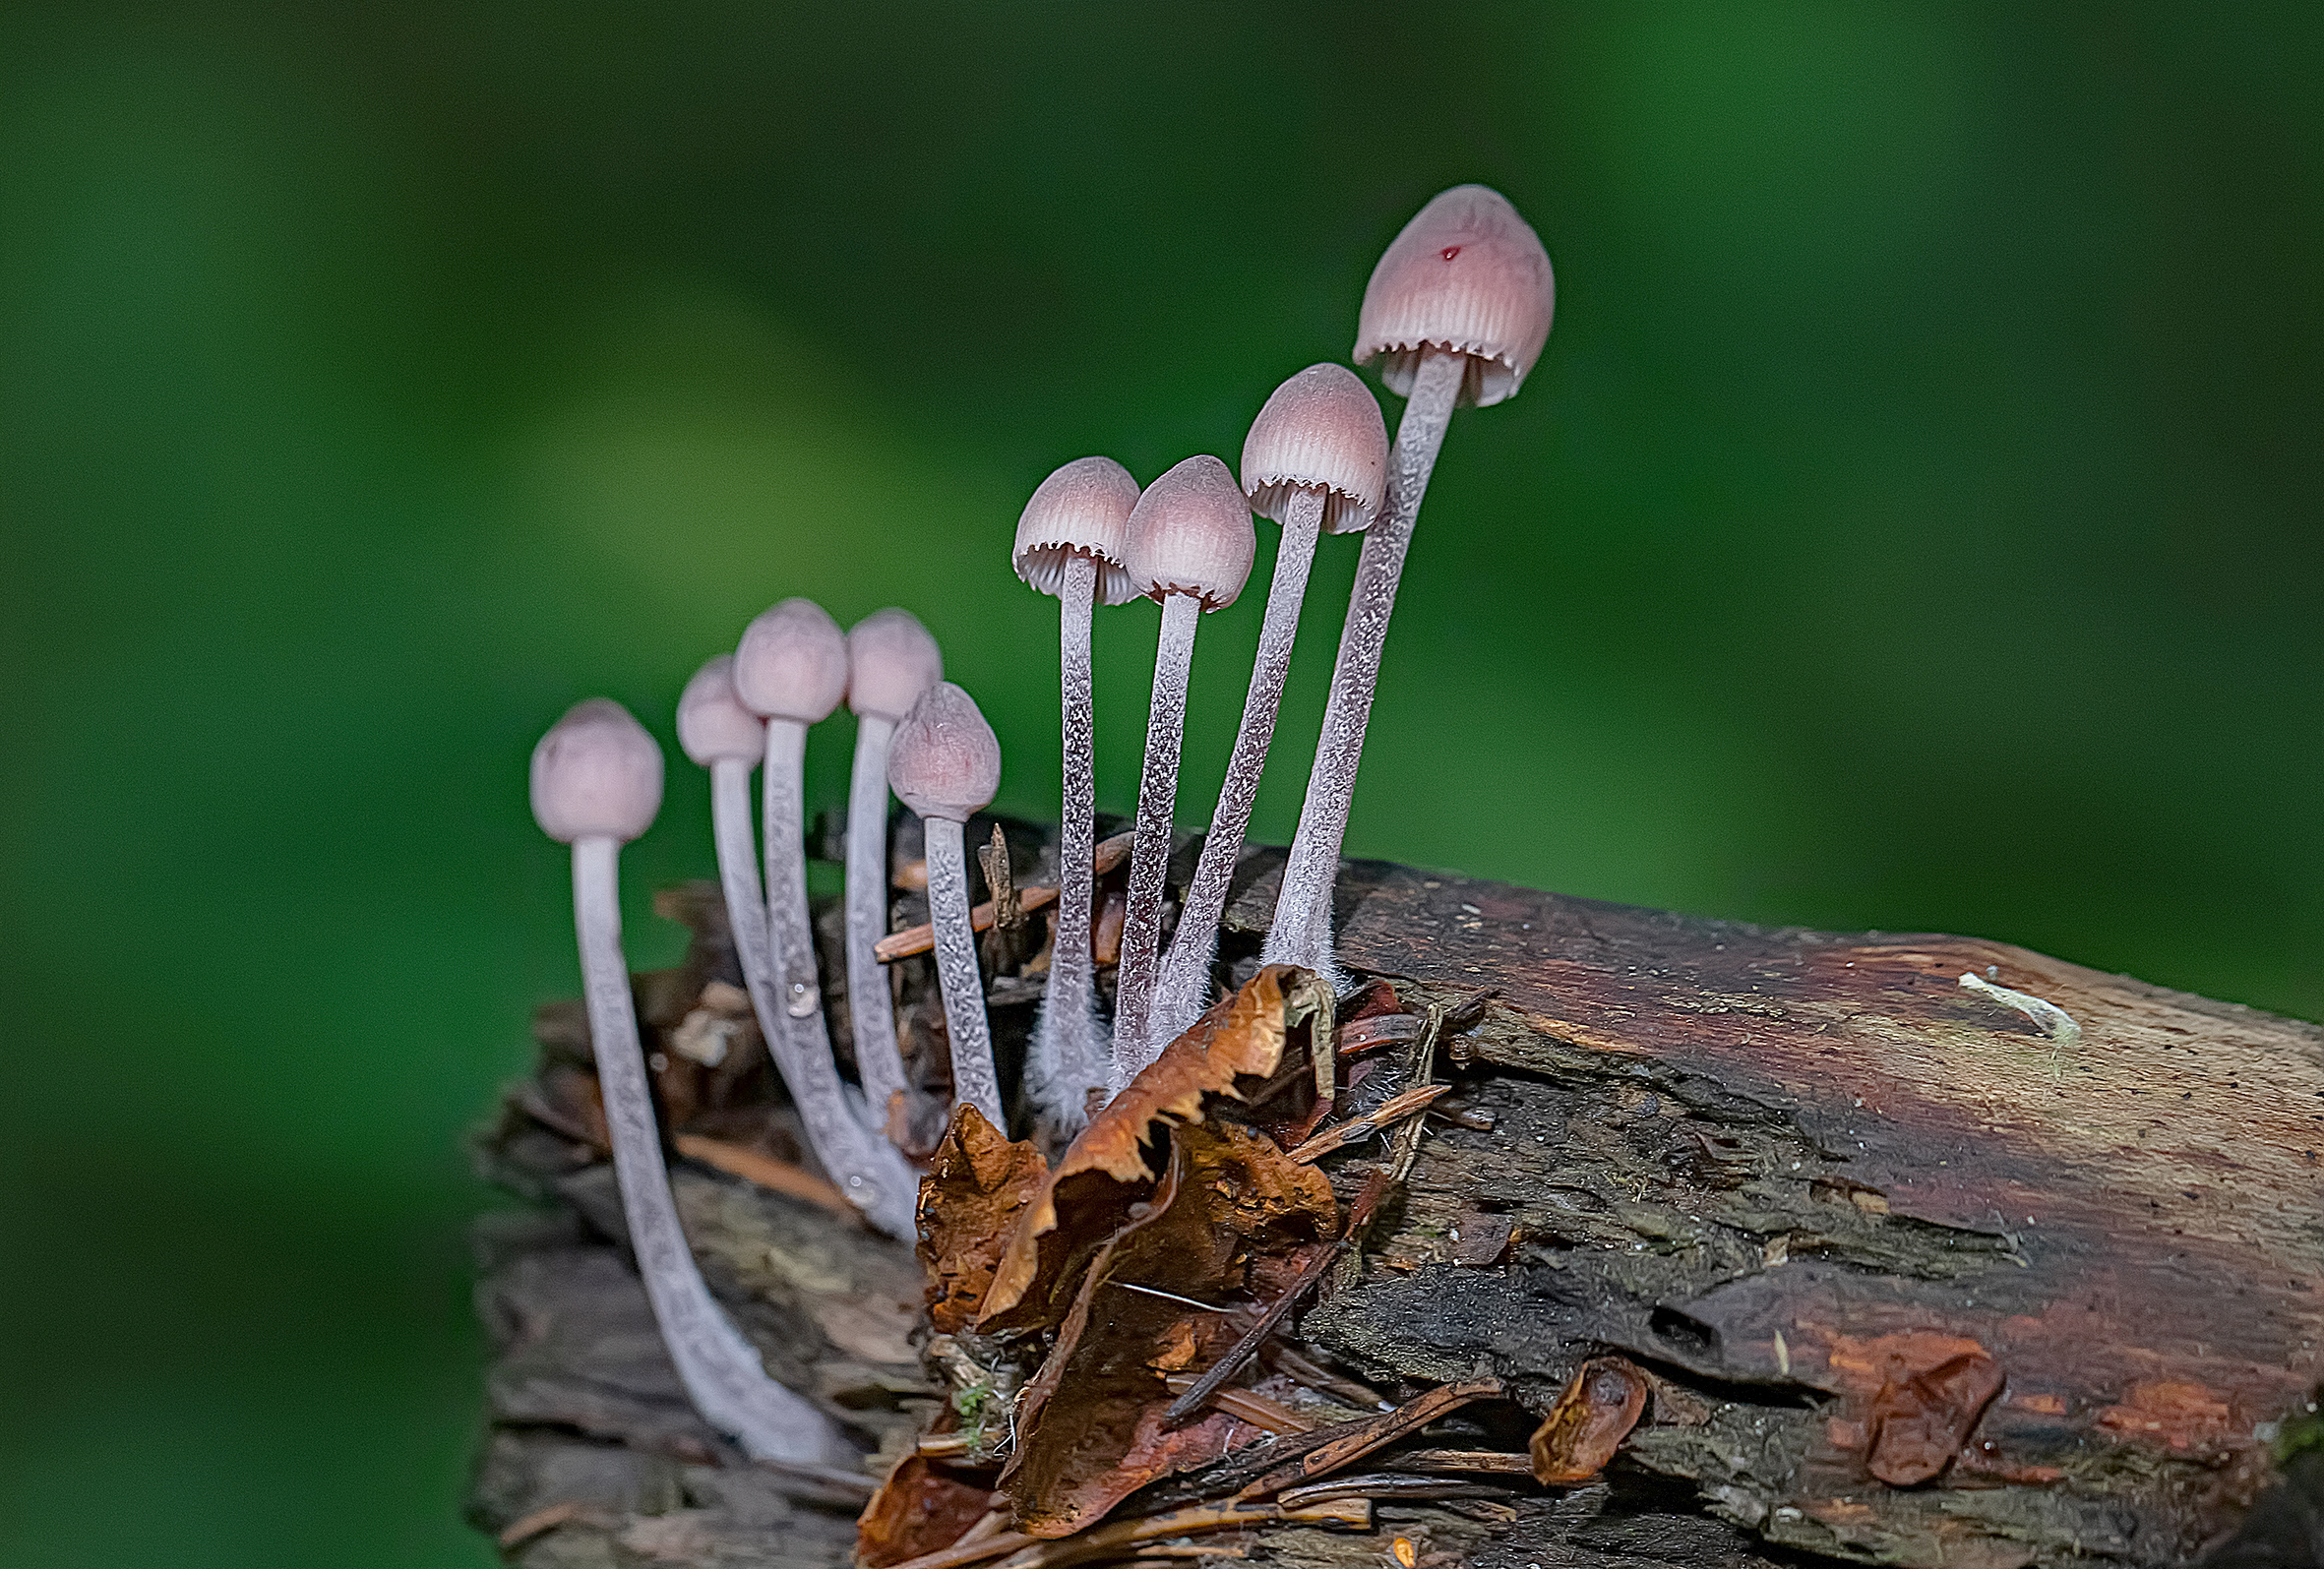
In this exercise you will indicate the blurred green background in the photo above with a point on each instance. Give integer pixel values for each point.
(1912, 524)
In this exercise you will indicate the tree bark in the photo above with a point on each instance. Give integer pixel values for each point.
(1792, 1173)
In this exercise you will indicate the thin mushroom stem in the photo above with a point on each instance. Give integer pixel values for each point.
(870, 1008)
(791, 937)
(974, 1079)
(722, 1372)
(1070, 1056)
(1184, 990)
(1301, 931)
(1149, 855)
(867, 1170)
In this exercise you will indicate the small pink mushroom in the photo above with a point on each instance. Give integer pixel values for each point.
(1315, 461)
(1456, 310)
(891, 661)
(596, 785)
(945, 765)
(1069, 543)
(1190, 544)
(791, 669)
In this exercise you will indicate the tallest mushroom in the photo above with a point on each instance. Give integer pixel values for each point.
(1456, 312)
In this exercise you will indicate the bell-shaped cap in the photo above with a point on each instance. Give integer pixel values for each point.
(1081, 509)
(944, 760)
(1467, 274)
(1320, 431)
(793, 663)
(596, 774)
(712, 723)
(891, 660)
(1191, 533)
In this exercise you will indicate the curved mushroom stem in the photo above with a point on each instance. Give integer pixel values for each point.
(1302, 933)
(1070, 1054)
(867, 1170)
(871, 1010)
(722, 1372)
(1149, 855)
(974, 1079)
(1184, 990)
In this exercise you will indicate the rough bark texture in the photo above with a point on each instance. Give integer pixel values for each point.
(1912, 1281)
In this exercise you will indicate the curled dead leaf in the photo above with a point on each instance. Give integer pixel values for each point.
(1919, 1423)
(1232, 1219)
(976, 1186)
(1110, 1166)
(921, 1508)
(1589, 1422)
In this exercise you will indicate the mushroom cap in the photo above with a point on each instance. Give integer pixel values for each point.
(1468, 275)
(712, 723)
(1080, 510)
(1321, 430)
(596, 774)
(891, 660)
(1191, 533)
(944, 760)
(793, 663)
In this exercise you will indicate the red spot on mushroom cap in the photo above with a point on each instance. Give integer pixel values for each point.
(1468, 276)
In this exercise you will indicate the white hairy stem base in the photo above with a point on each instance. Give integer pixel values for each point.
(722, 1372)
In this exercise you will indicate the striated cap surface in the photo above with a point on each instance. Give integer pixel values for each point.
(1320, 430)
(891, 660)
(944, 760)
(1468, 275)
(1191, 533)
(793, 663)
(713, 722)
(596, 774)
(1080, 510)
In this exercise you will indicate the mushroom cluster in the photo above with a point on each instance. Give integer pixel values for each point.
(1456, 312)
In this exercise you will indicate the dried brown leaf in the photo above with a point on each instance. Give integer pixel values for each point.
(1919, 1423)
(1106, 1170)
(921, 1508)
(1232, 1219)
(976, 1186)
(1589, 1422)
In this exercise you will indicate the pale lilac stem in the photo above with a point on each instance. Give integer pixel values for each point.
(1184, 990)
(1302, 933)
(867, 1170)
(720, 1370)
(974, 1079)
(871, 1009)
(1149, 855)
(1070, 1056)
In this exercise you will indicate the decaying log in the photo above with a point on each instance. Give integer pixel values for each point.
(1916, 1272)
(1862, 1219)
